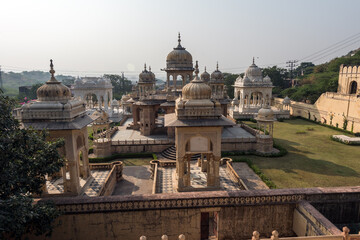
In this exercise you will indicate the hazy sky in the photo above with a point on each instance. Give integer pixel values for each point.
(96, 37)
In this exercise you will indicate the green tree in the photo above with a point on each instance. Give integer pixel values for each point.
(121, 85)
(26, 158)
(277, 75)
(229, 81)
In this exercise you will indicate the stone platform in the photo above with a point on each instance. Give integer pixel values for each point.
(136, 180)
(91, 188)
(166, 179)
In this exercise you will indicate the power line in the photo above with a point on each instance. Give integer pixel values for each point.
(332, 47)
(321, 57)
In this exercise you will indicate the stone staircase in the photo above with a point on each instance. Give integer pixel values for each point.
(170, 153)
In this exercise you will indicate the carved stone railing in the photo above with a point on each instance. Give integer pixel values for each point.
(251, 130)
(234, 176)
(108, 133)
(167, 163)
(154, 168)
(144, 141)
(185, 200)
(345, 235)
(114, 176)
(118, 166)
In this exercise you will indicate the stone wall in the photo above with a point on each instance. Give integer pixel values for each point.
(330, 108)
(136, 148)
(240, 213)
(310, 222)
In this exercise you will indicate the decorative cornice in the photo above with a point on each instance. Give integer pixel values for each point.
(81, 205)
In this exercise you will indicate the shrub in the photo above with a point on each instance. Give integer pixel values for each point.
(91, 150)
(282, 152)
(253, 120)
(257, 170)
(310, 129)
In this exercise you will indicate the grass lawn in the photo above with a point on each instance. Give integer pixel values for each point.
(314, 160)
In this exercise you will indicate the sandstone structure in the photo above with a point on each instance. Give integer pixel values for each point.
(63, 117)
(198, 123)
(340, 109)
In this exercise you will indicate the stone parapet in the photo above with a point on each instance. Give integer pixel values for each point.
(206, 199)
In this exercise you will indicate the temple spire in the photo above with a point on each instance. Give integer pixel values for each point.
(179, 38)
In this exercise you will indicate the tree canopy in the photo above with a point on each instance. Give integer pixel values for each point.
(121, 85)
(26, 158)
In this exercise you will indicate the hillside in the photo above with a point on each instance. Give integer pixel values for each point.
(12, 81)
(320, 78)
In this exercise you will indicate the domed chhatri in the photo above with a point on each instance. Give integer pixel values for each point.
(253, 72)
(53, 90)
(286, 101)
(217, 76)
(179, 57)
(265, 114)
(205, 76)
(197, 88)
(146, 76)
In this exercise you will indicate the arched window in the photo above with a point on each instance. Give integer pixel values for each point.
(353, 87)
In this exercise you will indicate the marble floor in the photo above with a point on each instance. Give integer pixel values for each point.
(91, 188)
(166, 179)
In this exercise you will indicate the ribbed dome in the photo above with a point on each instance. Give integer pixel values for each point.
(205, 76)
(179, 57)
(196, 89)
(146, 76)
(265, 114)
(253, 71)
(53, 90)
(217, 76)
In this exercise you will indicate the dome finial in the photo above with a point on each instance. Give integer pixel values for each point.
(205, 68)
(179, 38)
(196, 68)
(253, 60)
(217, 66)
(150, 68)
(144, 66)
(52, 71)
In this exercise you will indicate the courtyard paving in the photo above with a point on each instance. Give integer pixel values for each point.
(166, 179)
(136, 180)
(92, 188)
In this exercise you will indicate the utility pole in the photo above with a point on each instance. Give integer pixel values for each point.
(292, 64)
(1, 81)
